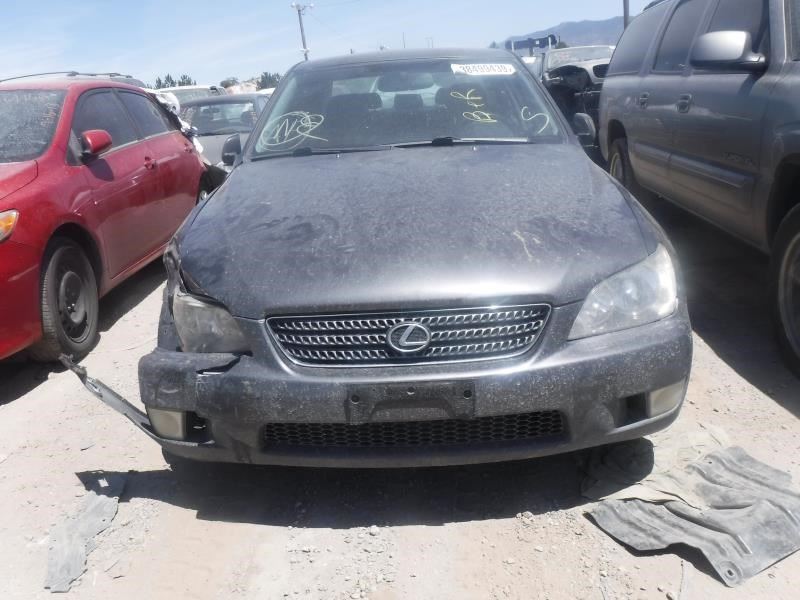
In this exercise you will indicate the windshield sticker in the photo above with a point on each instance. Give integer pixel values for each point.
(527, 116)
(484, 69)
(480, 117)
(289, 131)
(470, 98)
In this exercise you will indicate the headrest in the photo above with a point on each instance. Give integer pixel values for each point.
(354, 103)
(408, 102)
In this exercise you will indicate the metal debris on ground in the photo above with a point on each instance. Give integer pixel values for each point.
(70, 541)
(739, 512)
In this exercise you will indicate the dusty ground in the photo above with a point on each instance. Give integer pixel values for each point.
(501, 531)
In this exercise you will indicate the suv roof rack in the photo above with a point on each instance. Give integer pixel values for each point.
(71, 74)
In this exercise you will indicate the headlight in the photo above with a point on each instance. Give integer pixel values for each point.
(641, 294)
(8, 220)
(206, 327)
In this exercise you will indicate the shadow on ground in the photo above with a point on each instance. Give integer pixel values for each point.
(728, 293)
(336, 498)
(18, 376)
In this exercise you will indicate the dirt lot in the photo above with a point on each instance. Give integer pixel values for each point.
(501, 531)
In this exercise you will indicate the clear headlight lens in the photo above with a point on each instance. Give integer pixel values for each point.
(206, 327)
(644, 293)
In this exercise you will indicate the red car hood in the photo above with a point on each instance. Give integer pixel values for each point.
(14, 176)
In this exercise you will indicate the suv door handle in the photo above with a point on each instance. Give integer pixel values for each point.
(643, 100)
(684, 103)
(149, 163)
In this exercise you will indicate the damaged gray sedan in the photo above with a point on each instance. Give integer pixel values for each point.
(413, 263)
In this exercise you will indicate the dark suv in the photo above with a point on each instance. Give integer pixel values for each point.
(700, 107)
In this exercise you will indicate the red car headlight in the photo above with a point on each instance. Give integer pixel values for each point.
(8, 220)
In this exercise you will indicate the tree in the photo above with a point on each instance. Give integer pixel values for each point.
(493, 45)
(561, 44)
(229, 82)
(186, 80)
(268, 80)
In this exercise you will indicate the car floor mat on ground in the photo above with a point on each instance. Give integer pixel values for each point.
(752, 519)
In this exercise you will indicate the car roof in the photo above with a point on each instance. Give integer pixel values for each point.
(191, 87)
(477, 54)
(228, 99)
(65, 82)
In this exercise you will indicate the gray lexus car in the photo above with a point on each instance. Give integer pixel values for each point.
(413, 263)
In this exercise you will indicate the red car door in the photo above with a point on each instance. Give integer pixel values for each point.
(122, 180)
(178, 169)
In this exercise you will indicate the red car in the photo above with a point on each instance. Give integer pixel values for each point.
(95, 177)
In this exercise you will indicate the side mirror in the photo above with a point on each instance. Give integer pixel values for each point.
(600, 71)
(585, 129)
(231, 150)
(727, 50)
(95, 141)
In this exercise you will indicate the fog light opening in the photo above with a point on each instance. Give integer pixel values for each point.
(665, 399)
(168, 424)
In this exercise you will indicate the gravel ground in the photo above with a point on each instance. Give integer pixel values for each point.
(513, 530)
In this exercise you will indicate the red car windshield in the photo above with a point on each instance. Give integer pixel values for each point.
(28, 120)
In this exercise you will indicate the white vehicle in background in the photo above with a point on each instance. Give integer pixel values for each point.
(267, 92)
(185, 93)
(168, 99)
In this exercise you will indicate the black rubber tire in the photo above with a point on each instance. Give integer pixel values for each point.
(65, 269)
(620, 168)
(785, 303)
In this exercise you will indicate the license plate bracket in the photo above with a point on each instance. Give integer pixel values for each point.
(415, 401)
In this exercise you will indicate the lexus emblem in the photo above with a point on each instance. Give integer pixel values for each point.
(409, 338)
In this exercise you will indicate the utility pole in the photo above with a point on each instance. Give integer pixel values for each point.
(404, 40)
(301, 9)
(626, 13)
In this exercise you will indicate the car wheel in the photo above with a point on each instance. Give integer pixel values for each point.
(69, 303)
(786, 288)
(620, 168)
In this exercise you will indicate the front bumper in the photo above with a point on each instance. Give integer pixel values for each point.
(20, 321)
(601, 386)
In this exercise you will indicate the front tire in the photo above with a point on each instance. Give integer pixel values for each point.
(786, 288)
(69, 303)
(620, 168)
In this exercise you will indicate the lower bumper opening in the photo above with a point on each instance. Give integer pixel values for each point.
(543, 425)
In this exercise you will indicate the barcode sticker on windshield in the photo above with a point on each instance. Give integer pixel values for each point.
(484, 69)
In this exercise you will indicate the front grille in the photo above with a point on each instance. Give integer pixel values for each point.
(412, 434)
(455, 335)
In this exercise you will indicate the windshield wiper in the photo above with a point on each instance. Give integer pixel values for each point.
(452, 141)
(306, 151)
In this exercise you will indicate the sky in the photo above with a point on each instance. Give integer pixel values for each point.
(211, 40)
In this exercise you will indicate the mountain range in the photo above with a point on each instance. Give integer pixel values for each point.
(582, 33)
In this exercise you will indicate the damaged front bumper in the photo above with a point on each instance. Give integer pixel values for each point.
(262, 410)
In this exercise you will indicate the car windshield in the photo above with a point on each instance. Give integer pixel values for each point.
(191, 94)
(28, 120)
(565, 56)
(402, 102)
(214, 118)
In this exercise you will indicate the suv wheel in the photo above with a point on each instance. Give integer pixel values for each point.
(786, 288)
(69, 303)
(619, 167)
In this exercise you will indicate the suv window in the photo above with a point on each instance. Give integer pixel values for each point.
(147, 115)
(673, 54)
(753, 16)
(102, 110)
(635, 42)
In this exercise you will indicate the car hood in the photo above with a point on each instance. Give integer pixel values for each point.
(424, 227)
(212, 146)
(14, 176)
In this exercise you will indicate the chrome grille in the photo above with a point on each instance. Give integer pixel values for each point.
(455, 335)
(410, 434)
